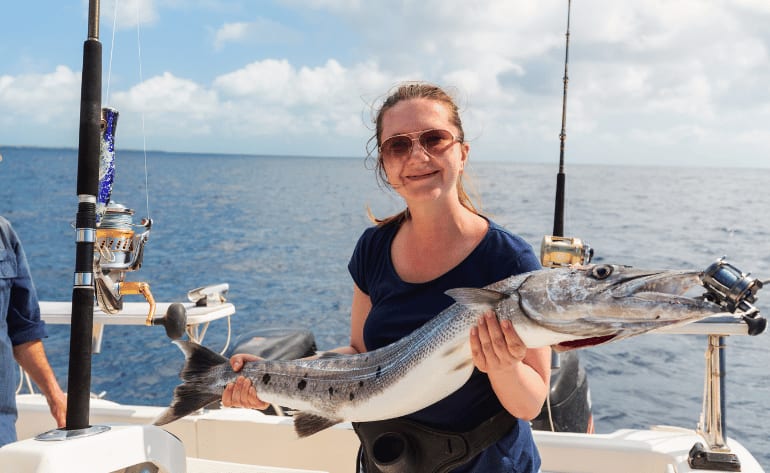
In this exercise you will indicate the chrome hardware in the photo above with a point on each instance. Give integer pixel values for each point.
(556, 251)
(118, 250)
(208, 295)
(730, 288)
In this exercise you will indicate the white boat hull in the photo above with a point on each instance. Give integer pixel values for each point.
(241, 440)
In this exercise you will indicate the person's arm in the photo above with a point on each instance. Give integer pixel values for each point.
(519, 376)
(242, 393)
(26, 330)
(31, 357)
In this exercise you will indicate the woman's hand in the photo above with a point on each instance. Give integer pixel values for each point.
(518, 375)
(495, 345)
(242, 393)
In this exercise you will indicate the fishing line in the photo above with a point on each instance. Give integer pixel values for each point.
(144, 134)
(141, 79)
(112, 49)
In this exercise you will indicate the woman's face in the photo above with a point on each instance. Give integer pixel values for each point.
(418, 175)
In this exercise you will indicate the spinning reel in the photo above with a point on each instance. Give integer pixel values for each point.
(118, 248)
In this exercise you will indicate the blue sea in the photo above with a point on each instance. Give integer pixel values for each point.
(280, 231)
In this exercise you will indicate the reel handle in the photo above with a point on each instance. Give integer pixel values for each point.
(175, 321)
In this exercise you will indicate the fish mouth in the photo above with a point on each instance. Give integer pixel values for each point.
(670, 282)
(648, 300)
(676, 287)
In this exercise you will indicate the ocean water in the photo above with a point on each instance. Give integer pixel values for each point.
(280, 231)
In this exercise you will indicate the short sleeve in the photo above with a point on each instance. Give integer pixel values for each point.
(357, 264)
(509, 254)
(23, 317)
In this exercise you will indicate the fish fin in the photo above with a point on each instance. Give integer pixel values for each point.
(476, 298)
(195, 391)
(198, 360)
(306, 424)
(187, 399)
(582, 343)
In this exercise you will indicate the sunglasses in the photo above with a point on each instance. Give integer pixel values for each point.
(434, 142)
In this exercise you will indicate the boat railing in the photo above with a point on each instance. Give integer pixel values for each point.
(711, 426)
(206, 304)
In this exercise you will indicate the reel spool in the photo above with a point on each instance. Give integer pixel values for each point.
(733, 290)
(118, 250)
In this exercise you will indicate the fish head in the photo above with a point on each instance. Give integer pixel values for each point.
(602, 302)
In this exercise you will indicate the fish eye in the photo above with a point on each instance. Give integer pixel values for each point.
(602, 272)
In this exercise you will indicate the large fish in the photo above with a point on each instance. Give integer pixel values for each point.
(565, 308)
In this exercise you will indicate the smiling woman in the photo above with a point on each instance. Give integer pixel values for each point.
(406, 263)
(435, 108)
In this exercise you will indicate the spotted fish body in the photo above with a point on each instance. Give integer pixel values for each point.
(566, 308)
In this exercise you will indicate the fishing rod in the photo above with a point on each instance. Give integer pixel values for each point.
(106, 246)
(556, 249)
(558, 217)
(79, 375)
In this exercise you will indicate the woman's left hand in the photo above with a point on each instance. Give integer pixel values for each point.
(495, 345)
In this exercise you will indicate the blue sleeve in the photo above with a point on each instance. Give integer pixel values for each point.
(510, 253)
(23, 317)
(357, 264)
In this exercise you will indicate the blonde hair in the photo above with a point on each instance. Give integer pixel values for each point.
(409, 91)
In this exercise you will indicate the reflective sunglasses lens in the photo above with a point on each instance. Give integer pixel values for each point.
(397, 146)
(436, 140)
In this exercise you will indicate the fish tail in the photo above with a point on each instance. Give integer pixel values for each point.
(197, 379)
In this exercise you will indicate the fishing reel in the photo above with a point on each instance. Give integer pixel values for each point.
(557, 251)
(118, 250)
(734, 291)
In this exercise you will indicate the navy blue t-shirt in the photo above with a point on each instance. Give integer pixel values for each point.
(399, 308)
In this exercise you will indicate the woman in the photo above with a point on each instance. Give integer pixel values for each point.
(401, 268)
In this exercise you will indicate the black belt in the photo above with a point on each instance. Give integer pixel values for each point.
(405, 446)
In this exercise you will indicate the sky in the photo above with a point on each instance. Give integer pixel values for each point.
(651, 82)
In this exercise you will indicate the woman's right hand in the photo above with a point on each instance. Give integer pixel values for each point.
(242, 392)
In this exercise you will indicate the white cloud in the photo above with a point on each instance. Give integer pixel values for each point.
(261, 30)
(273, 96)
(230, 32)
(171, 106)
(268, 79)
(40, 98)
(335, 5)
(651, 75)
